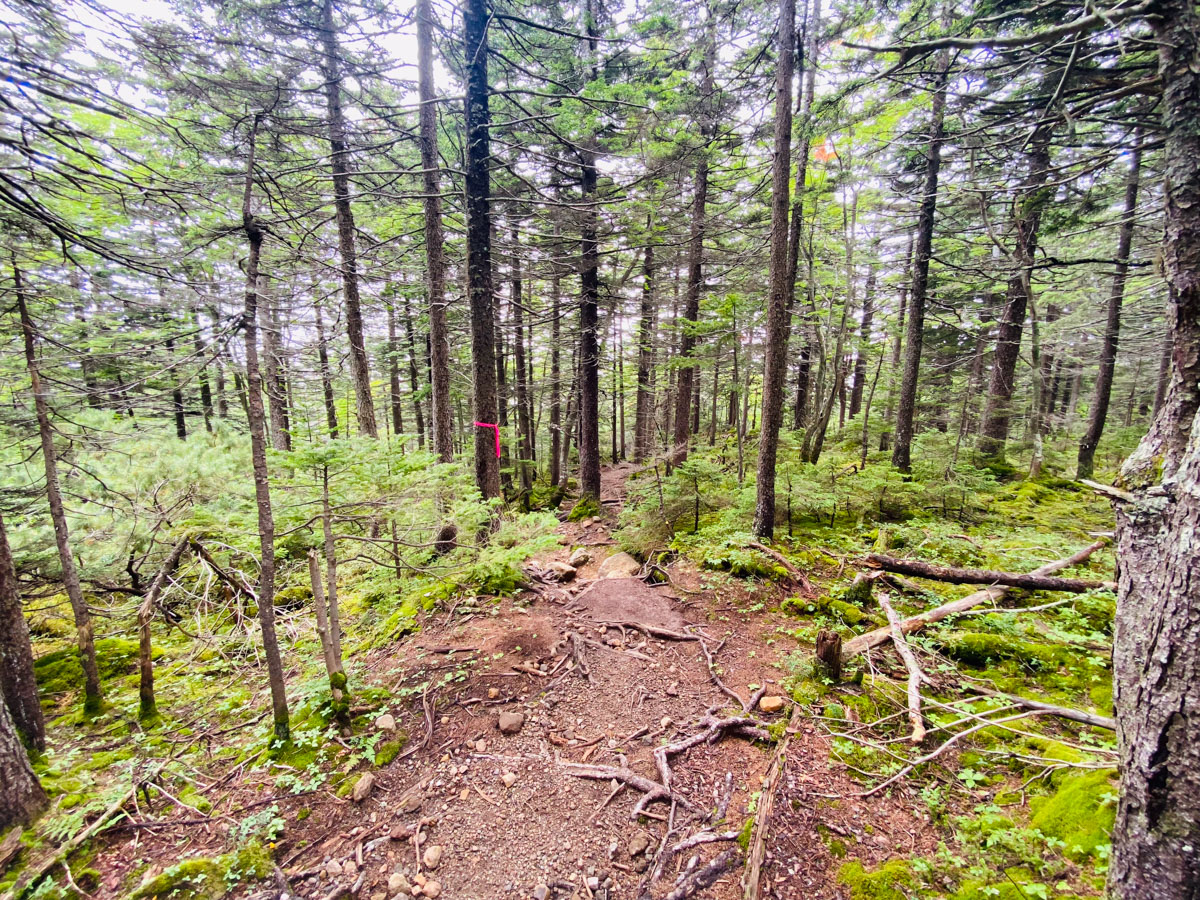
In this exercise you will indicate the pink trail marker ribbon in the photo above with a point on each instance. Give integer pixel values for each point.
(496, 428)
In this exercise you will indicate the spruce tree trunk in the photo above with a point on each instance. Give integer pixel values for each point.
(556, 435)
(414, 378)
(84, 636)
(864, 345)
(281, 438)
(1156, 652)
(18, 686)
(643, 435)
(1112, 327)
(393, 370)
(327, 395)
(779, 300)
(589, 350)
(914, 334)
(1031, 200)
(256, 416)
(477, 181)
(435, 265)
(339, 164)
(524, 421)
(21, 795)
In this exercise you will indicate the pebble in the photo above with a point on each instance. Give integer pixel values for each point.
(432, 856)
(386, 722)
(480, 745)
(639, 844)
(510, 722)
(541, 892)
(593, 883)
(464, 795)
(509, 779)
(397, 883)
(579, 558)
(333, 868)
(445, 720)
(362, 788)
(493, 693)
(432, 889)
(771, 703)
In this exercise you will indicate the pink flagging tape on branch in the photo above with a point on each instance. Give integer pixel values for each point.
(495, 428)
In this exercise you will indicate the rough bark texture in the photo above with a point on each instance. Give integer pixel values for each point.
(643, 434)
(21, 796)
(258, 455)
(277, 404)
(18, 686)
(84, 636)
(331, 420)
(914, 334)
(435, 266)
(1028, 581)
(864, 346)
(414, 379)
(339, 165)
(1032, 198)
(779, 301)
(477, 180)
(1112, 326)
(1156, 654)
(556, 435)
(524, 419)
(393, 369)
(589, 351)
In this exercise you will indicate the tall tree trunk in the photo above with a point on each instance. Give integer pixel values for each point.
(395, 401)
(1112, 326)
(219, 353)
(1156, 651)
(339, 164)
(687, 378)
(258, 454)
(589, 350)
(18, 686)
(779, 301)
(147, 706)
(281, 438)
(84, 637)
(206, 398)
(477, 182)
(885, 437)
(1164, 374)
(524, 422)
(414, 379)
(556, 434)
(327, 394)
(502, 396)
(864, 345)
(643, 436)
(1031, 200)
(435, 265)
(914, 334)
(177, 408)
(21, 796)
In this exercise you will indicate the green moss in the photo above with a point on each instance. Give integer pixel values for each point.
(201, 879)
(584, 509)
(746, 833)
(891, 881)
(388, 750)
(1080, 813)
(61, 672)
(982, 648)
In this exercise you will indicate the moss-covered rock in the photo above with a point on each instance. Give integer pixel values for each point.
(196, 879)
(584, 509)
(979, 649)
(892, 881)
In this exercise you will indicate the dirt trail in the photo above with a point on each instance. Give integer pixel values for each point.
(510, 819)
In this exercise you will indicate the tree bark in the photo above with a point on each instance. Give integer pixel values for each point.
(643, 438)
(18, 685)
(145, 617)
(686, 381)
(477, 180)
(256, 416)
(524, 419)
(414, 379)
(1156, 652)
(1112, 327)
(393, 370)
(914, 335)
(952, 575)
(84, 637)
(864, 345)
(778, 303)
(21, 796)
(435, 265)
(1031, 200)
(556, 432)
(331, 420)
(339, 164)
(281, 438)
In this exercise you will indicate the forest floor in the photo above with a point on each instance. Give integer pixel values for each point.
(491, 714)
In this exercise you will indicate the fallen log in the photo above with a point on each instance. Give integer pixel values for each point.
(790, 567)
(1062, 712)
(864, 642)
(915, 675)
(1031, 581)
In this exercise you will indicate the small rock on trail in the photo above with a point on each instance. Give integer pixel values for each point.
(362, 788)
(510, 722)
(620, 565)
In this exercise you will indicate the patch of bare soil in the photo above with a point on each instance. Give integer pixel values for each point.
(590, 680)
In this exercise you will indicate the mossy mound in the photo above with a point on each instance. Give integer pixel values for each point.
(207, 878)
(584, 509)
(1080, 813)
(892, 881)
(61, 671)
(980, 649)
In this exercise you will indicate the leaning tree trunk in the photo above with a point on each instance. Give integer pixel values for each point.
(84, 637)
(21, 796)
(18, 686)
(1112, 327)
(477, 182)
(339, 165)
(256, 416)
(1031, 200)
(1156, 653)
(914, 334)
(779, 300)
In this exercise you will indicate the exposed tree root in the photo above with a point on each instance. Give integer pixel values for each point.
(915, 675)
(697, 880)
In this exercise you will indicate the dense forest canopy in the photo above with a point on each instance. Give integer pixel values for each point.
(327, 324)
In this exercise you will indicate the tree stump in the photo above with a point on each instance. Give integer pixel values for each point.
(829, 653)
